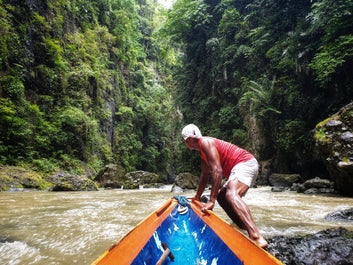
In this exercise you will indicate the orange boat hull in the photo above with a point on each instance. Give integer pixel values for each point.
(192, 237)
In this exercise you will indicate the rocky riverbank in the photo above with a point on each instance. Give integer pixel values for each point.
(19, 179)
(110, 177)
(328, 247)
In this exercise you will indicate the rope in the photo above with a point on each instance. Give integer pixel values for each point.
(182, 200)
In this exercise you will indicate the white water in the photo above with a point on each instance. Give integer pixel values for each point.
(75, 228)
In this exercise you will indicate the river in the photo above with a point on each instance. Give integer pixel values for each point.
(62, 228)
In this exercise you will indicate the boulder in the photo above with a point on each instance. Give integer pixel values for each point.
(143, 178)
(334, 143)
(283, 180)
(342, 215)
(67, 182)
(331, 246)
(176, 189)
(277, 189)
(318, 183)
(264, 172)
(314, 186)
(17, 179)
(185, 181)
(111, 176)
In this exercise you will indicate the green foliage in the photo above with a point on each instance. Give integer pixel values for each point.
(227, 114)
(75, 88)
(254, 40)
(320, 131)
(43, 165)
(332, 58)
(80, 137)
(333, 17)
(257, 100)
(289, 136)
(53, 47)
(12, 87)
(335, 20)
(84, 83)
(184, 17)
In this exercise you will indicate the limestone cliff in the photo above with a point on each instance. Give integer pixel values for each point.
(334, 142)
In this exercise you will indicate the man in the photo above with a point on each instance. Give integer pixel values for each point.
(237, 165)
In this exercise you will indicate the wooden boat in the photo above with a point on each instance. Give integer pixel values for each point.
(178, 233)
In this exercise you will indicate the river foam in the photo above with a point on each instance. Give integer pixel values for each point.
(68, 228)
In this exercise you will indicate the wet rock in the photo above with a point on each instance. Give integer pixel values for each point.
(176, 189)
(318, 183)
(67, 182)
(299, 187)
(17, 179)
(143, 178)
(111, 176)
(334, 141)
(205, 198)
(342, 215)
(314, 186)
(328, 247)
(283, 180)
(264, 172)
(318, 186)
(277, 189)
(311, 191)
(186, 181)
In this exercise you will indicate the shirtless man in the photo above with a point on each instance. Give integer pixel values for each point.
(237, 165)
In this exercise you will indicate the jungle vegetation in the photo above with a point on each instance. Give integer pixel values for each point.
(88, 83)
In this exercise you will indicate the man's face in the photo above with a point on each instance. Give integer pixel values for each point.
(186, 142)
(189, 142)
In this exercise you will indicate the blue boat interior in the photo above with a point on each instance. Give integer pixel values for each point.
(190, 241)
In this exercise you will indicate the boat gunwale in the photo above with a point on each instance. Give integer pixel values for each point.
(138, 236)
(241, 245)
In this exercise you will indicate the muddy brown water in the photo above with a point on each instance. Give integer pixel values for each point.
(62, 228)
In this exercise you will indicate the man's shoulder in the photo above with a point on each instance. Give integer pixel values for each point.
(208, 141)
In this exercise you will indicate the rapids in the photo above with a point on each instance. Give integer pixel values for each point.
(60, 228)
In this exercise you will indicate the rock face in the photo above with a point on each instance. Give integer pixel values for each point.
(112, 177)
(342, 215)
(283, 180)
(331, 246)
(16, 178)
(145, 179)
(67, 182)
(334, 141)
(185, 181)
(317, 185)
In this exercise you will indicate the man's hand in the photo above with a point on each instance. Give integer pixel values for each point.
(208, 206)
(195, 199)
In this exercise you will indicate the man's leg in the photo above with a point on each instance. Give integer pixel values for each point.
(235, 207)
(221, 199)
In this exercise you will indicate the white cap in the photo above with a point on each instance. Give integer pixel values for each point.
(190, 130)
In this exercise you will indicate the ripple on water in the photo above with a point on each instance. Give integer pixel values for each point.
(75, 228)
(17, 252)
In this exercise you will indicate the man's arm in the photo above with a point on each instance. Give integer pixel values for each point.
(209, 148)
(205, 172)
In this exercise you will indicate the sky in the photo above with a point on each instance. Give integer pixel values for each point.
(166, 3)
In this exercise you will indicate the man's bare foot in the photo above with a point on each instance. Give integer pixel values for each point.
(262, 242)
(259, 239)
